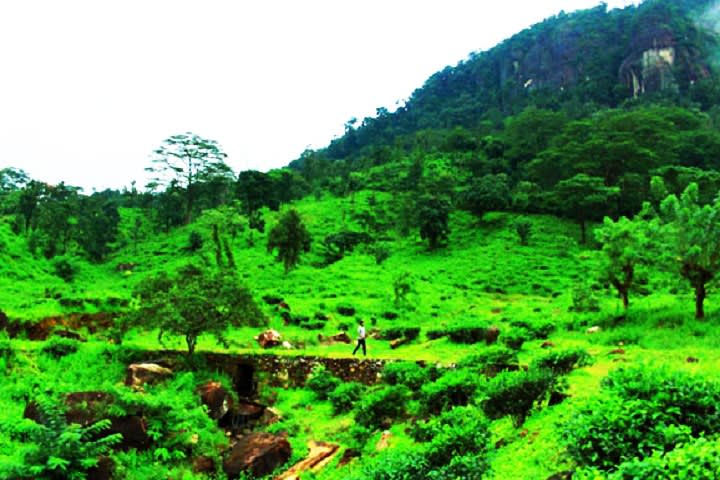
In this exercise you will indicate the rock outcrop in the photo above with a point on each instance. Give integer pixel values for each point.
(258, 453)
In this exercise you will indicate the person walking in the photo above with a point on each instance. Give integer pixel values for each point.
(361, 338)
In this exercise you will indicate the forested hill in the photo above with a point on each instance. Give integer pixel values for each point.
(578, 62)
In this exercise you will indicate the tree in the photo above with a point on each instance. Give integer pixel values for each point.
(625, 247)
(290, 238)
(188, 159)
(192, 302)
(584, 198)
(256, 190)
(694, 230)
(98, 224)
(488, 193)
(434, 213)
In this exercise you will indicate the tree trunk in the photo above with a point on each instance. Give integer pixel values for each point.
(625, 299)
(191, 340)
(700, 300)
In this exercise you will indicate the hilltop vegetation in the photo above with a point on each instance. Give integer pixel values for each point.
(537, 266)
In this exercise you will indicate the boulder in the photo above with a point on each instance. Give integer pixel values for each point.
(138, 374)
(287, 345)
(617, 351)
(692, 360)
(341, 337)
(133, 429)
(104, 469)
(125, 267)
(547, 344)
(347, 456)
(594, 329)
(271, 299)
(258, 453)
(216, 398)
(268, 339)
(203, 464)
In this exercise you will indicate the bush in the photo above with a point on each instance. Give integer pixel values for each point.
(698, 460)
(455, 388)
(61, 450)
(395, 464)
(523, 228)
(393, 333)
(491, 360)
(436, 333)
(195, 241)
(515, 338)
(58, 347)
(382, 405)
(345, 396)
(584, 299)
(515, 394)
(467, 335)
(642, 410)
(64, 269)
(321, 382)
(535, 330)
(562, 362)
(409, 374)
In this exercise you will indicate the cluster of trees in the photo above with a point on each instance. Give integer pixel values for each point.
(681, 235)
(189, 176)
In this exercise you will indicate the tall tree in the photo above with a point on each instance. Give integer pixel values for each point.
(694, 230)
(187, 159)
(433, 213)
(98, 224)
(290, 238)
(585, 198)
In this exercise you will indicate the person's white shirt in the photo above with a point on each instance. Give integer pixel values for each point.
(361, 332)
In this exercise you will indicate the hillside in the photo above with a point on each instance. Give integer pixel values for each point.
(530, 246)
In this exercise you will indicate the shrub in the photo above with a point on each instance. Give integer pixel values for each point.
(467, 335)
(642, 410)
(195, 241)
(491, 360)
(562, 362)
(64, 269)
(523, 228)
(58, 347)
(61, 450)
(455, 388)
(515, 394)
(393, 333)
(409, 374)
(381, 405)
(395, 464)
(436, 333)
(698, 460)
(584, 299)
(515, 338)
(314, 325)
(535, 330)
(321, 382)
(345, 396)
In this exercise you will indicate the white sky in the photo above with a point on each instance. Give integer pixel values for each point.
(89, 88)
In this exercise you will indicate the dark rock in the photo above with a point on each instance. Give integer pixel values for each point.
(258, 453)
(283, 306)
(617, 351)
(547, 344)
(501, 443)
(125, 267)
(138, 374)
(272, 300)
(347, 456)
(269, 339)
(133, 429)
(104, 469)
(556, 398)
(86, 408)
(216, 398)
(346, 311)
(390, 315)
(69, 334)
(204, 464)
(692, 360)
(341, 337)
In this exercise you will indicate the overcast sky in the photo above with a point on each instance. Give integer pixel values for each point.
(89, 88)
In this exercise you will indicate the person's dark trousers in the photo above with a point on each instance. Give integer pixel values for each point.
(361, 341)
